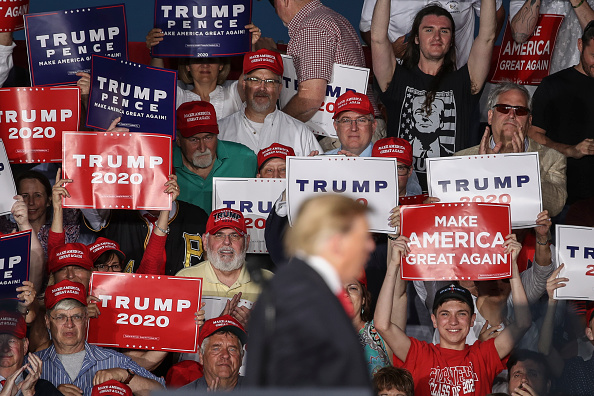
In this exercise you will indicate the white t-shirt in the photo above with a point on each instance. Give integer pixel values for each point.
(224, 98)
(402, 14)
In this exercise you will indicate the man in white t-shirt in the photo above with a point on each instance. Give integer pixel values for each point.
(260, 124)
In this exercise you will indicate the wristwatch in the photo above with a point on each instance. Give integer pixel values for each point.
(131, 375)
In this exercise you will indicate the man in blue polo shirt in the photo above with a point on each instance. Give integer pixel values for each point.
(200, 155)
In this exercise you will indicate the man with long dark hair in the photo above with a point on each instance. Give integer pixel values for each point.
(428, 77)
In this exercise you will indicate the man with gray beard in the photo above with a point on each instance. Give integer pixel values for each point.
(260, 124)
(200, 155)
(226, 284)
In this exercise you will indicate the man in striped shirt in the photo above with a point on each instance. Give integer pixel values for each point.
(70, 363)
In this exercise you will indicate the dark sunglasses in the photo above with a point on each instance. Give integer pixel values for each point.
(520, 111)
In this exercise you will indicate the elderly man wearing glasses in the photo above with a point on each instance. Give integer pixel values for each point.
(73, 365)
(260, 124)
(509, 119)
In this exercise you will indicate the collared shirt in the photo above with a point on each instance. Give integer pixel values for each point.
(96, 358)
(18, 380)
(321, 37)
(212, 286)
(326, 271)
(278, 127)
(233, 160)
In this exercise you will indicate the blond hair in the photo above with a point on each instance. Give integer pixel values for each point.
(320, 218)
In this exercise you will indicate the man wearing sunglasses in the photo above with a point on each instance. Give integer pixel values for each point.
(259, 124)
(509, 119)
(564, 118)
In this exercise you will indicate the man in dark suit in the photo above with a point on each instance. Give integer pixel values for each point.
(300, 332)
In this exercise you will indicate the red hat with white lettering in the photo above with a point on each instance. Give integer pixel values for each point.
(13, 323)
(63, 290)
(263, 59)
(225, 218)
(196, 117)
(111, 387)
(69, 254)
(393, 147)
(352, 101)
(275, 150)
(225, 323)
(103, 245)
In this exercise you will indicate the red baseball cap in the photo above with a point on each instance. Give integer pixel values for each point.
(13, 323)
(103, 245)
(111, 387)
(275, 150)
(263, 59)
(393, 147)
(352, 101)
(225, 218)
(69, 254)
(225, 322)
(182, 373)
(63, 290)
(196, 117)
(589, 313)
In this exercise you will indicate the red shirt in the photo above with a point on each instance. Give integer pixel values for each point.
(440, 371)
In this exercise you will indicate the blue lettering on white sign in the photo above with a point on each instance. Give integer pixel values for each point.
(356, 186)
(483, 184)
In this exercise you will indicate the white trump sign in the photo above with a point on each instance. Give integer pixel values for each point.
(371, 181)
(512, 179)
(344, 78)
(254, 198)
(575, 248)
(7, 187)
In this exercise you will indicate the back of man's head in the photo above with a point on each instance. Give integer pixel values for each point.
(320, 218)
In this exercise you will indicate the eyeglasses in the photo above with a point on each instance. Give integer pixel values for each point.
(519, 111)
(268, 82)
(104, 268)
(348, 121)
(402, 169)
(62, 319)
(234, 237)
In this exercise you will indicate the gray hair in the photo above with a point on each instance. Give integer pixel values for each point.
(505, 87)
(206, 341)
(66, 305)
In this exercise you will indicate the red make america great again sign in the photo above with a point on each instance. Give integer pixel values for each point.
(117, 170)
(152, 312)
(456, 241)
(32, 120)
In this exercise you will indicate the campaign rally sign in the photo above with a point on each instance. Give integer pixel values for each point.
(512, 179)
(529, 62)
(11, 14)
(32, 121)
(143, 96)
(371, 181)
(7, 187)
(456, 241)
(60, 43)
(134, 316)
(344, 78)
(254, 197)
(203, 28)
(575, 248)
(115, 170)
(14, 262)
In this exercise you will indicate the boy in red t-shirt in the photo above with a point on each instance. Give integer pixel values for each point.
(451, 368)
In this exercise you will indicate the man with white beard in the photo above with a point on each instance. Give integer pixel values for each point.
(200, 155)
(224, 275)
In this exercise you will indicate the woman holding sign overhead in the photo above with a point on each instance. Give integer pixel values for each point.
(204, 79)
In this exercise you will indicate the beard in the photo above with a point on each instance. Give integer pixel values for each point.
(202, 160)
(226, 264)
(260, 107)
